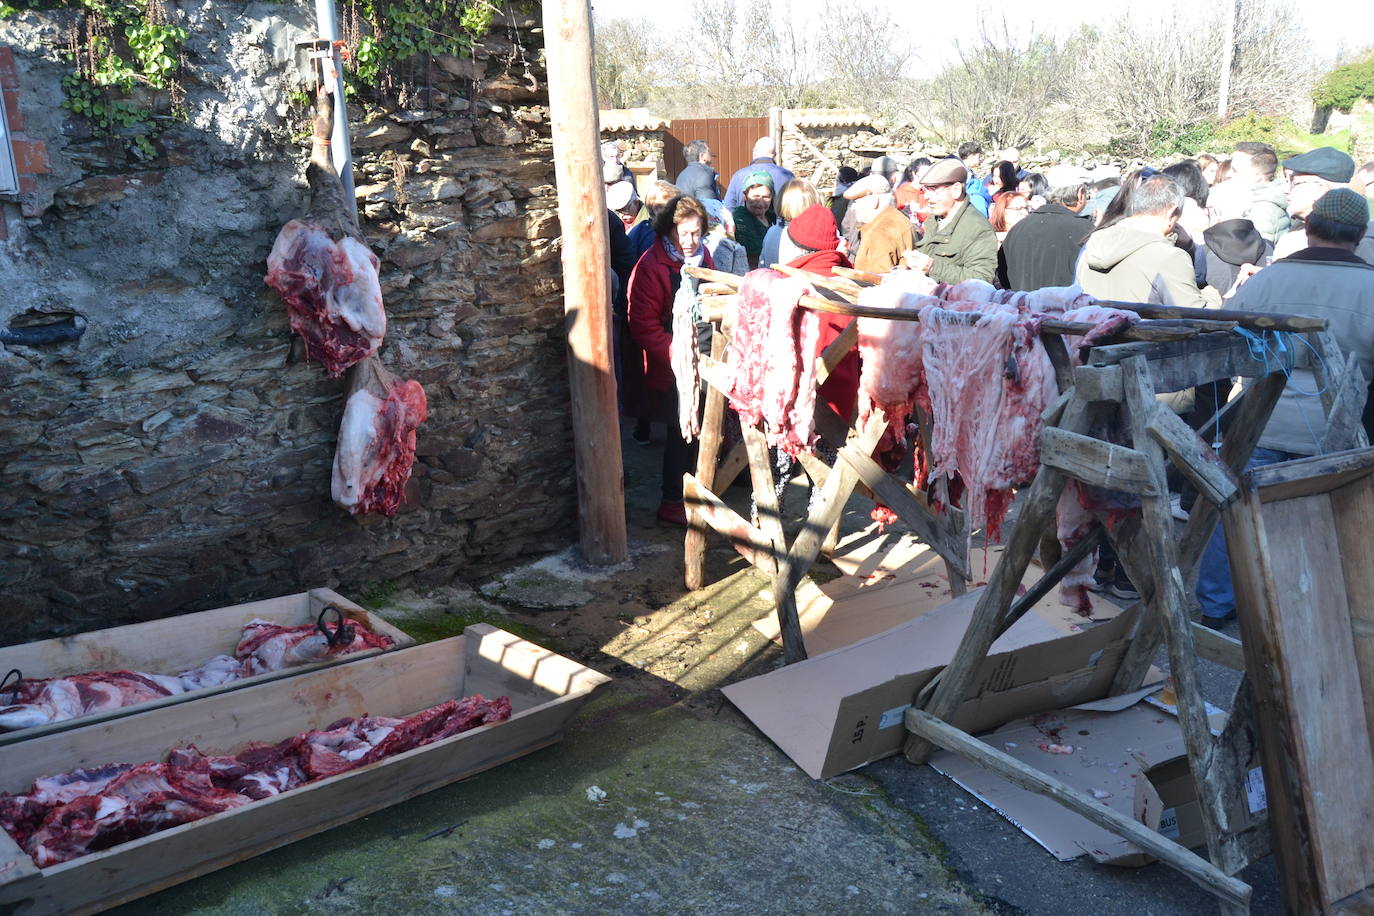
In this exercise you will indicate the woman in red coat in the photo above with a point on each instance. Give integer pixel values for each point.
(815, 233)
(678, 231)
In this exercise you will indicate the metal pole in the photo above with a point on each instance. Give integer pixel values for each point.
(327, 21)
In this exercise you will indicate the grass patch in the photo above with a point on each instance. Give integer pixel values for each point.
(441, 626)
(376, 595)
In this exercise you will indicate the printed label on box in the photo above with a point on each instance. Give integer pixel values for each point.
(893, 717)
(1168, 823)
(1254, 790)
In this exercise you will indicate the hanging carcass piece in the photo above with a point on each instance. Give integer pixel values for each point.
(376, 440)
(324, 272)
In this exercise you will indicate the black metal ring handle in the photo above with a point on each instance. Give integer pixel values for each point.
(18, 680)
(342, 634)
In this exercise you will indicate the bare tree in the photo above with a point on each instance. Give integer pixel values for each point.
(629, 60)
(1003, 89)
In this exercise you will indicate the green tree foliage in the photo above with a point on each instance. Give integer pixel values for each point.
(1344, 86)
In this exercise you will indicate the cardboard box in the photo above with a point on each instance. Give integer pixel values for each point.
(842, 709)
(1128, 755)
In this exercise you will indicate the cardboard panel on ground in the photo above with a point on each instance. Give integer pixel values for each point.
(889, 579)
(545, 690)
(1127, 754)
(842, 709)
(175, 644)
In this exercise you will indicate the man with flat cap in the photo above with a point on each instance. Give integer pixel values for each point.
(1310, 175)
(959, 243)
(1324, 279)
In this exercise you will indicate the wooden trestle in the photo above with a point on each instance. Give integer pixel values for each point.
(1168, 350)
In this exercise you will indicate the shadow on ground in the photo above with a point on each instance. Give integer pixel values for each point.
(662, 798)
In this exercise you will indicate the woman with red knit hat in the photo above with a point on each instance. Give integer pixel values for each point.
(814, 233)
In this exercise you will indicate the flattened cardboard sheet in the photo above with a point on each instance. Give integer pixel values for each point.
(842, 709)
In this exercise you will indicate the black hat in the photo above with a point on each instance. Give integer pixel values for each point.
(1235, 241)
(1324, 162)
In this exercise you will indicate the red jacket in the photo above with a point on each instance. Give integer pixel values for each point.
(651, 310)
(841, 388)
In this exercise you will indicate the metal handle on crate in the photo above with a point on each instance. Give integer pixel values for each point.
(342, 634)
(18, 680)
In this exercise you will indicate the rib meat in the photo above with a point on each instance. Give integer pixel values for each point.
(267, 646)
(67, 816)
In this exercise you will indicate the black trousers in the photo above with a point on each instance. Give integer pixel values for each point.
(678, 456)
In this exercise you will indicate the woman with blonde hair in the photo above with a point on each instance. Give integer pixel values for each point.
(657, 197)
(794, 198)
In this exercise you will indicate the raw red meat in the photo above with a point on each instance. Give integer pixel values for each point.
(267, 646)
(67, 816)
(38, 701)
(773, 357)
(331, 291)
(376, 448)
(323, 270)
(263, 646)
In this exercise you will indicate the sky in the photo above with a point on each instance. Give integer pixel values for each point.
(1333, 25)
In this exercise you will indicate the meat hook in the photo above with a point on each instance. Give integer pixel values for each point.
(5, 684)
(342, 634)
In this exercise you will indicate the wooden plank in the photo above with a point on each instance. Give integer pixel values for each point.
(708, 450)
(1343, 421)
(747, 540)
(550, 692)
(1052, 577)
(1034, 516)
(1193, 457)
(1198, 870)
(1305, 476)
(1179, 365)
(939, 533)
(1319, 765)
(1218, 647)
(826, 510)
(1112, 467)
(600, 471)
(1059, 358)
(1252, 413)
(1257, 320)
(1171, 601)
(175, 644)
(1352, 508)
(733, 465)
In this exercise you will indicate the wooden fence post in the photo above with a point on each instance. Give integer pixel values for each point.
(586, 280)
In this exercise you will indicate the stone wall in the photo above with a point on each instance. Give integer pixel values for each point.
(177, 457)
(641, 146)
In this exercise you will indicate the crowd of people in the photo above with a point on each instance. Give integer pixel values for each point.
(1250, 231)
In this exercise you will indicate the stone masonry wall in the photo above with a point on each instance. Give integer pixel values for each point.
(177, 457)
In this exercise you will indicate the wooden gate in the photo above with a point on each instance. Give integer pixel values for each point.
(731, 140)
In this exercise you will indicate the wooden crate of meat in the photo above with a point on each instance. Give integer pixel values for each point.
(545, 691)
(175, 644)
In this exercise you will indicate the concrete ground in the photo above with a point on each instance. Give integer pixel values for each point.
(662, 798)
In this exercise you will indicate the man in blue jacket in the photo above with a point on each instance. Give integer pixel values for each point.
(763, 162)
(698, 179)
(971, 155)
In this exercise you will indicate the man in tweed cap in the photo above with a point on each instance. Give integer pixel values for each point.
(1327, 280)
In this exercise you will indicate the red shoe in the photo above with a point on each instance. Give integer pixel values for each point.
(672, 513)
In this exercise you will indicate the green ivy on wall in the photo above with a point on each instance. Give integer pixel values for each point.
(400, 30)
(121, 50)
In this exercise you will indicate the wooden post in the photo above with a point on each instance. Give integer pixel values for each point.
(586, 287)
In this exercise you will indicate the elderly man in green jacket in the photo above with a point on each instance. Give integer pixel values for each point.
(959, 243)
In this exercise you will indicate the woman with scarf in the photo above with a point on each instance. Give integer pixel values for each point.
(678, 231)
(755, 215)
(815, 235)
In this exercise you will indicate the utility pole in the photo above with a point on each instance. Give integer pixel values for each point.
(586, 289)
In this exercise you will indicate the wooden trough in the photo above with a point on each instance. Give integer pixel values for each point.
(545, 690)
(177, 644)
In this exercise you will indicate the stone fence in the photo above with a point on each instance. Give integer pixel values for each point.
(177, 456)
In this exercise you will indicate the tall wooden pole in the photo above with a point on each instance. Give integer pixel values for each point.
(586, 283)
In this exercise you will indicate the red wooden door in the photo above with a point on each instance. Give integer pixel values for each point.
(731, 141)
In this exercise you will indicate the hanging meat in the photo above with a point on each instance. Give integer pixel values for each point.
(376, 449)
(324, 271)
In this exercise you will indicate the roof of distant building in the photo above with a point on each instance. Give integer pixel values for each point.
(827, 117)
(617, 120)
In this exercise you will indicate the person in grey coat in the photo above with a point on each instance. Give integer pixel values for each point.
(698, 179)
